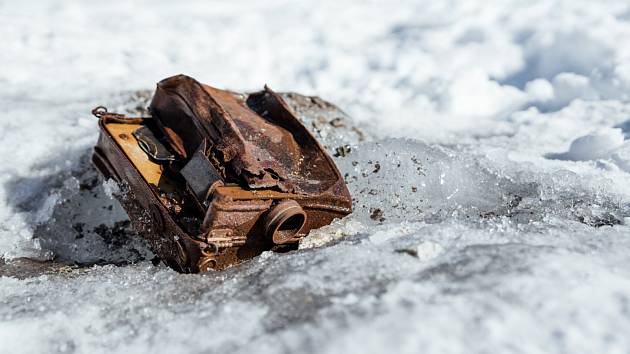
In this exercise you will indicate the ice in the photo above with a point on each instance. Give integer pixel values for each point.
(483, 143)
(409, 180)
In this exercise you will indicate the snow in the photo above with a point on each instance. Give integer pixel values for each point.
(490, 181)
(597, 145)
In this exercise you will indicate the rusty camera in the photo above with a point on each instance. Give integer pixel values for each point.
(213, 177)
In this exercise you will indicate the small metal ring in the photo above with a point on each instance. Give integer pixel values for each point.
(210, 249)
(99, 111)
(205, 264)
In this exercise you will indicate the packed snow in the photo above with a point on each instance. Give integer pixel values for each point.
(486, 145)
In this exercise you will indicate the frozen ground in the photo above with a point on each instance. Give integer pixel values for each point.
(492, 186)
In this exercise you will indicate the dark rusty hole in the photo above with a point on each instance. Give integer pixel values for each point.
(288, 229)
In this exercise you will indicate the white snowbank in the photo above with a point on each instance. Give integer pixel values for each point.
(597, 145)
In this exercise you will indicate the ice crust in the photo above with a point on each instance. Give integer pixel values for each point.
(484, 143)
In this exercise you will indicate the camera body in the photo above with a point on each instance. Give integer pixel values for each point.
(213, 177)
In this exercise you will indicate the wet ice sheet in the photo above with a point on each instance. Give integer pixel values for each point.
(370, 292)
(514, 240)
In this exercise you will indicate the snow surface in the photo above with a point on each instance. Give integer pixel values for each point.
(492, 187)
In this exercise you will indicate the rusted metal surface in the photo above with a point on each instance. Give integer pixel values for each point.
(213, 178)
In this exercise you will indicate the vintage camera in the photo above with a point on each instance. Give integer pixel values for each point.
(213, 177)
